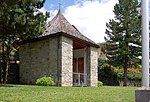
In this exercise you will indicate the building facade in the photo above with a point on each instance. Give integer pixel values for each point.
(61, 52)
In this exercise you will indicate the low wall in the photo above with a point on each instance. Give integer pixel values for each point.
(130, 82)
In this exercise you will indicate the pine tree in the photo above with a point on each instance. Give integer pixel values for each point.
(123, 36)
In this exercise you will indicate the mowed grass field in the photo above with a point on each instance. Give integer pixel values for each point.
(29, 93)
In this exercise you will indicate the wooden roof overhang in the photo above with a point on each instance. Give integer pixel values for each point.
(77, 42)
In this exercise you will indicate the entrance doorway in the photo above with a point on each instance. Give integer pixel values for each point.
(79, 63)
(78, 72)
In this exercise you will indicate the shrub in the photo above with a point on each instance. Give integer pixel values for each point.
(45, 81)
(133, 74)
(119, 72)
(100, 84)
(106, 73)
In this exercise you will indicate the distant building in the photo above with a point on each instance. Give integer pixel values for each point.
(101, 51)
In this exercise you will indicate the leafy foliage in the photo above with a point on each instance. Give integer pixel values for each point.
(19, 20)
(133, 74)
(100, 84)
(45, 81)
(123, 36)
(106, 73)
(119, 72)
(22, 19)
(111, 76)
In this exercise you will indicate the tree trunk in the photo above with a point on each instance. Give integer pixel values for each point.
(125, 76)
(7, 62)
(6, 72)
(0, 71)
(1, 66)
(125, 67)
(3, 63)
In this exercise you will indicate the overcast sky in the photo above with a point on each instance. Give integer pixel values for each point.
(89, 16)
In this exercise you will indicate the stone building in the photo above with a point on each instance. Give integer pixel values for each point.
(62, 52)
(101, 51)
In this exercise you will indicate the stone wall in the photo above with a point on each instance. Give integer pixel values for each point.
(54, 56)
(130, 82)
(38, 59)
(93, 65)
(92, 62)
(66, 61)
(13, 74)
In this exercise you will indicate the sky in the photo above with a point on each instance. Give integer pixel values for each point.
(88, 16)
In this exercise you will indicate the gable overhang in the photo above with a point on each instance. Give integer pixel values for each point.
(75, 39)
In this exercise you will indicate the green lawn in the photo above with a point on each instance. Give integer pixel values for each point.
(26, 93)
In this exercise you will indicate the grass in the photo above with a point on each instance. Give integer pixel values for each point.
(28, 93)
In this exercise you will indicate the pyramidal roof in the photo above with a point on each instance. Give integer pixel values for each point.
(60, 24)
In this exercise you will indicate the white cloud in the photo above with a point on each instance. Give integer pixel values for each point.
(90, 17)
(43, 10)
(52, 12)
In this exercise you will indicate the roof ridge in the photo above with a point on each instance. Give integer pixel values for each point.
(59, 13)
(60, 24)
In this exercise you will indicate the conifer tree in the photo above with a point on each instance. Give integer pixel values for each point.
(123, 36)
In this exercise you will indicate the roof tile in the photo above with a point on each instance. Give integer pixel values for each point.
(60, 24)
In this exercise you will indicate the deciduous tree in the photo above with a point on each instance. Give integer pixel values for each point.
(19, 19)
